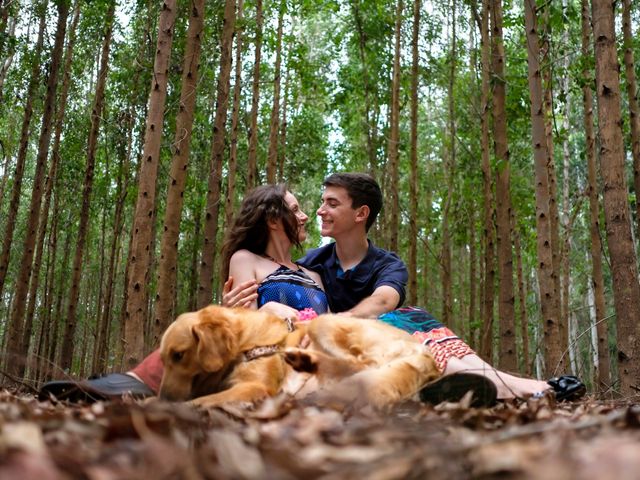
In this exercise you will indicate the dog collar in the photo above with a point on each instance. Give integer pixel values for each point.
(258, 352)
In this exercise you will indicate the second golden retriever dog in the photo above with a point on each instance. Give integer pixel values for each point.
(219, 355)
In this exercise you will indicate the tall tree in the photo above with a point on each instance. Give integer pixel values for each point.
(15, 345)
(634, 109)
(413, 176)
(66, 355)
(508, 360)
(167, 267)
(450, 169)
(603, 374)
(272, 156)
(252, 168)
(235, 117)
(208, 258)
(34, 80)
(51, 175)
(488, 230)
(141, 243)
(550, 315)
(394, 136)
(626, 289)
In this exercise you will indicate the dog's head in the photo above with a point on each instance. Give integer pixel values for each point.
(196, 346)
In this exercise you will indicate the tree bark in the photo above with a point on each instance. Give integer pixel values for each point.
(394, 138)
(626, 289)
(488, 233)
(208, 258)
(603, 373)
(51, 178)
(561, 327)
(235, 116)
(272, 157)
(550, 316)
(66, 356)
(167, 268)
(522, 304)
(15, 347)
(413, 177)
(252, 165)
(14, 203)
(137, 294)
(508, 360)
(634, 109)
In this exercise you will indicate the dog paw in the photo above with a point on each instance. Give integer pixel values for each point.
(301, 360)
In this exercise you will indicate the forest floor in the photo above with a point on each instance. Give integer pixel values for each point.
(285, 440)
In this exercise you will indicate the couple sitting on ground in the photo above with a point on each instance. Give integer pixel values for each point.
(350, 276)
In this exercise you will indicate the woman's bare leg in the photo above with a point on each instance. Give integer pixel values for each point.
(509, 386)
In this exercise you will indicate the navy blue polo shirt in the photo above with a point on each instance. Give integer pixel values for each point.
(346, 289)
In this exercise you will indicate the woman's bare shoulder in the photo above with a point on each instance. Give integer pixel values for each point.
(315, 276)
(243, 255)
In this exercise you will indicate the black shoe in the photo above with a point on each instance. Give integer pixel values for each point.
(451, 388)
(110, 387)
(567, 387)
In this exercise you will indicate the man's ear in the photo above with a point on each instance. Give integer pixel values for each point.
(362, 213)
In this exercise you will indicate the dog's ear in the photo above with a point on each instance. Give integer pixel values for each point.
(215, 345)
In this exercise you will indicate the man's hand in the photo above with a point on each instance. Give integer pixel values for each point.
(241, 296)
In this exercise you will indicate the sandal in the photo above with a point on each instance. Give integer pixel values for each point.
(451, 388)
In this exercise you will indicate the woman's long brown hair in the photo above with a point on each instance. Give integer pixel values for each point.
(250, 228)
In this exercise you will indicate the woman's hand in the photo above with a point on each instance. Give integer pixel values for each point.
(241, 296)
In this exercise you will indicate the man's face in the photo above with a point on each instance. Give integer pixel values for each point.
(336, 213)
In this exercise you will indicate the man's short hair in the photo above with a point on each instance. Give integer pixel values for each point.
(363, 190)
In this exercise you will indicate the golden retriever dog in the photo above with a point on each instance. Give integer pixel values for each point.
(219, 355)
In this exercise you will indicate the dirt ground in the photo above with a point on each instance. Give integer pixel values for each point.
(285, 440)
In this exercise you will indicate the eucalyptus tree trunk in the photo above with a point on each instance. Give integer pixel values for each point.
(550, 315)
(15, 346)
(51, 176)
(66, 356)
(488, 230)
(102, 338)
(450, 168)
(413, 177)
(567, 224)
(141, 242)
(208, 258)
(6, 62)
(394, 138)
(252, 164)
(272, 156)
(561, 328)
(14, 203)
(508, 360)
(634, 109)
(282, 139)
(522, 303)
(164, 310)
(235, 116)
(603, 373)
(369, 124)
(626, 289)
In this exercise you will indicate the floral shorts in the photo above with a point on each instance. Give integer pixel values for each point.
(443, 344)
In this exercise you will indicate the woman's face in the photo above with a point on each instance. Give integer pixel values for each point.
(300, 215)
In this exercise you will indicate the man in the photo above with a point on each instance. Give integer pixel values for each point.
(360, 280)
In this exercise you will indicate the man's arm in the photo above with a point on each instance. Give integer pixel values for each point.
(382, 300)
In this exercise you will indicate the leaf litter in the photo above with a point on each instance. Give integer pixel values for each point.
(284, 439)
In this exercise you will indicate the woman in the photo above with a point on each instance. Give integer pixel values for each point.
(258, 247)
